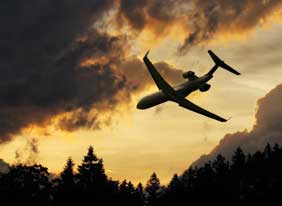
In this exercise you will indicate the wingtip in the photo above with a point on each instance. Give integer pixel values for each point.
(228, 119)
(147, 53)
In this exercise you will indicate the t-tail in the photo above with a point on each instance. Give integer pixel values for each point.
(219, 63)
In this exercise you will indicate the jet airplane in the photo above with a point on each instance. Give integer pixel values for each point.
(178, 93)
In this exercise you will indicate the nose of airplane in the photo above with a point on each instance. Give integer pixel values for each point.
(140, 105)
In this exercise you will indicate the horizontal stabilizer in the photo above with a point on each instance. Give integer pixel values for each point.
(220, 63)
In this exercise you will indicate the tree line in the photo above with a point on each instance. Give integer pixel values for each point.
(246, 178)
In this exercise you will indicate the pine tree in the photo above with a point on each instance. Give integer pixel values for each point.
(238, 170)
(221, 186)
(267, 151)
(238, 160)
(139, 195)
(123, 187)
(130, 188)
(26, 184)
(220, 166)
(189, 177)
(139, 188)
(87, 171)
(93, 182)
(65, 192)
(175, 191)
(67, 176)
(175, 184)
(153, 190)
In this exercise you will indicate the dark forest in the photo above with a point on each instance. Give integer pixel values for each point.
(245, 178)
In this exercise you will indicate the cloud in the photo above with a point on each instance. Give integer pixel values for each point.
(42, 46)
(58, 63)
(27, 154)
(201, 20)
(139, 13)
(267, 129)
(4, 166)
(138, 78)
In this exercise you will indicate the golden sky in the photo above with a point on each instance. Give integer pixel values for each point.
(167, 139)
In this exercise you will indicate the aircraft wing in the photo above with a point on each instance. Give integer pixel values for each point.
(182, 102)
(168, 90)
(159, 80)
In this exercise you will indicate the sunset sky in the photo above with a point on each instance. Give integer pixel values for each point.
(133, 143)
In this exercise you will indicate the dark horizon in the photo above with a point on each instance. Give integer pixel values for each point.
(245, 178)
(72, 73)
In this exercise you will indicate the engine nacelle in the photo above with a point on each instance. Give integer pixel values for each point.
(205, 87)
(188, 75)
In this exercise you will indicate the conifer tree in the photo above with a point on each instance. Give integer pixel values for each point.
(87, 171)
(67, 176)
(238, 160)
(153, 190)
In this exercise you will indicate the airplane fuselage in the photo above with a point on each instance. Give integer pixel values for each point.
(182, 90)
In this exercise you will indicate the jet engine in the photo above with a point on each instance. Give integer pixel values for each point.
(205, 87)
(188, 75)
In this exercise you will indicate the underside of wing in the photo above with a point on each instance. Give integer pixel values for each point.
(193, 107)
(159, 80)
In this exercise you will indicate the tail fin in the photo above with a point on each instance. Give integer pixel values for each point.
(219, 63)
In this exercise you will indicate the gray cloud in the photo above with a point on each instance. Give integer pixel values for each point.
(138, 13)
(27, 154)
(202, 20)
(44, 50)
(267, 129)
(45, 46)
(214, 17)
(138, 78)
(41, 49)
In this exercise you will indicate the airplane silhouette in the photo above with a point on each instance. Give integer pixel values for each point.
(178, 93)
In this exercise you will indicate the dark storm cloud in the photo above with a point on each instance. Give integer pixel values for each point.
(44, 49)
(267, 129)
(57, 61)
(41, 46)
(138, 78)
(131, 77)
(210, 18)
(202, 20)
(138, 13)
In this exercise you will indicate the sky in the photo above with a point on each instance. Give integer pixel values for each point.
(72, 76)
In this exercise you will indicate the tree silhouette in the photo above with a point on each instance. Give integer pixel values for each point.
(174, 193)
(29, 184)
(92, 178)
(238, 174)
(247, 178)
(65, 188)
(139, 195)
(127, 193)
(68, 175)
(91, 172)
(153, 191)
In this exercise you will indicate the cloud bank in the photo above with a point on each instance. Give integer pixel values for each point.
(267, 129)
(59, 62)
(201, 20)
